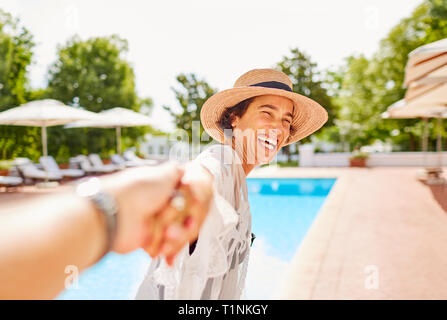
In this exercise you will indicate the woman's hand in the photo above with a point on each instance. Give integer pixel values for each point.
(197, 189)
(140, 193)
(148, 219)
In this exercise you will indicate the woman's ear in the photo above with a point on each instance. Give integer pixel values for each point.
(234, 120)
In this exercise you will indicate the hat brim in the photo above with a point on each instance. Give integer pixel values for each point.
(309, 116)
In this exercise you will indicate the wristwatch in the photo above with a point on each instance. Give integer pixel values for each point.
(104, 203)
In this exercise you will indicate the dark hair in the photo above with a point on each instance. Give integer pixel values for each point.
(229, 114)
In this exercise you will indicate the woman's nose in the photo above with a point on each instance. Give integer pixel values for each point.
(274, 131)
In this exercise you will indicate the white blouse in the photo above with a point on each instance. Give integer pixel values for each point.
(218, 265)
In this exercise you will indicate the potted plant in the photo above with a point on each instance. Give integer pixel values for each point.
(358, 159)
(4, 168)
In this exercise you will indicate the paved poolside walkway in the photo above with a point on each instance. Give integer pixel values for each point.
(381, 234)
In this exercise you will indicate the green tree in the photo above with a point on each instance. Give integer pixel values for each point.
(368, 86)
(94, 75)
(191, 96)
(16, 44)
(307, 80)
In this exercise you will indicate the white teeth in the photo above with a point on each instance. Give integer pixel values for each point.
(271, 146)
(271, 141)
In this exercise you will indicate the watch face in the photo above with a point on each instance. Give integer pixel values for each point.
(89, 188)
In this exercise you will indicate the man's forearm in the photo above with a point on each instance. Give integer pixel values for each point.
(60, 230)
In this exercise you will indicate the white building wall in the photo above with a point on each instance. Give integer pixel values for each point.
(159, 146)
(417, 159)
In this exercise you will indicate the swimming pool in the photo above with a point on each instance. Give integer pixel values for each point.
(282, 212)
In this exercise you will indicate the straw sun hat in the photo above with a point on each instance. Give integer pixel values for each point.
(308, 115)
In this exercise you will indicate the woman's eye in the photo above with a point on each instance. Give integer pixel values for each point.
(268, 113)
(286, 123)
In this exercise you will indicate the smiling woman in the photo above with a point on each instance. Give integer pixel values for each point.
(266, 124)
(259, 114)
(252, 121)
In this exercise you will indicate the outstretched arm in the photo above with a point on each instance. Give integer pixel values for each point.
(39, 238)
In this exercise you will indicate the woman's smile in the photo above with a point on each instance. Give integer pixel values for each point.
(268, 143)
(266, 126)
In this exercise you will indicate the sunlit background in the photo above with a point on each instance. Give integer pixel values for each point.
(217, 40)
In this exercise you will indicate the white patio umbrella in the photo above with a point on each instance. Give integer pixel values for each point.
(410, 110)
(426, 78)
(403, 109)
(436, 76)
(427, 64)
(426, 97)
(431, 101)
(433, 95)
(44, 113)
(415, 89)
(116, 118)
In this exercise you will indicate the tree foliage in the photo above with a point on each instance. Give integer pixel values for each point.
(306, 80)
(191, 96)
(16, 44)
(368, 86)
(94, 75)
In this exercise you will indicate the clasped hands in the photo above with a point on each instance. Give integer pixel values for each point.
(160, 208)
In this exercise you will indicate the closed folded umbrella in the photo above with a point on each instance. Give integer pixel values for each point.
(435, 95)
(44, 113)
(426, 97)
(415, 89)
(426, 78)
(430, 102)
(437, 76)
(427, 64)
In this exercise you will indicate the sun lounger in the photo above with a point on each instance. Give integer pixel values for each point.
(83, 162)
(10, 182)
(50, 165)
(120, 161)
(30, 171)
(96, 161)
(130, 155)
(19, 161)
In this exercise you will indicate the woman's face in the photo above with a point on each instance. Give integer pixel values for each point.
(264, 128)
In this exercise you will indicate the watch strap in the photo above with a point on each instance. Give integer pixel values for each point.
(107, 205)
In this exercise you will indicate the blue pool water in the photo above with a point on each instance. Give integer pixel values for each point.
(282, 212)
(284, 209)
